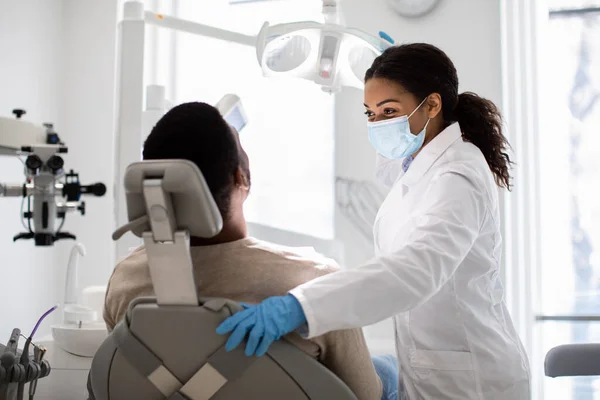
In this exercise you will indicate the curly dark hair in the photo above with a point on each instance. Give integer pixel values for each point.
(198, 133)
(423, 69)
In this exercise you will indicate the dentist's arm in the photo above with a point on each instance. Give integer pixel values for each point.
(453, 212)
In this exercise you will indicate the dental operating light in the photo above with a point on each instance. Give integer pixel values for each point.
(330, 54)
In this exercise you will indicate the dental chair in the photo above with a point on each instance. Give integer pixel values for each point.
(573, 360)
(166, 347)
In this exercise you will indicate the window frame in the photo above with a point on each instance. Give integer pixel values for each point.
(522, 23)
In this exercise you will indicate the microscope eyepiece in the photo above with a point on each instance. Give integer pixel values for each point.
(33, 163)
(55, 163)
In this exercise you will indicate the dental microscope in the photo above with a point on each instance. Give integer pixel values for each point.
(45, 180)
(48, 194)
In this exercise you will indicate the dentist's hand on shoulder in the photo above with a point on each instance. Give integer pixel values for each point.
(264, 323)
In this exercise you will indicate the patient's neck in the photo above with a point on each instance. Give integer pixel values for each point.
(234, 228)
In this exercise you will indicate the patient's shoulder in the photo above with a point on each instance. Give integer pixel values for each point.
(133, 267)
(291, 256)
(137, 257)
(129, 279)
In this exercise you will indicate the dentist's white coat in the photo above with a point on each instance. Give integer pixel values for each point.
(436, 271)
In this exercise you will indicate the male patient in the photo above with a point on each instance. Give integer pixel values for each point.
(232, 264)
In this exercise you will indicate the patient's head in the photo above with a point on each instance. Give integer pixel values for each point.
(197, 132)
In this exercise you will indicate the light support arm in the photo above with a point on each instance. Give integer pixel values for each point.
(182, 25)
(331, 12)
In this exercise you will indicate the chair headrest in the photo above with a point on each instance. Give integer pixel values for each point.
(193, 205)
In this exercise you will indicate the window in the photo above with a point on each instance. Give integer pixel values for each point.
(569, 156)
(290, 134)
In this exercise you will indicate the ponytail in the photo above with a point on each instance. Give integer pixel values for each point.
(481, 124)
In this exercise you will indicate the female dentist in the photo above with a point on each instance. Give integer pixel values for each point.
(437, 240)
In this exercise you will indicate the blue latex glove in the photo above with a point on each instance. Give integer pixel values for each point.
(266, 322)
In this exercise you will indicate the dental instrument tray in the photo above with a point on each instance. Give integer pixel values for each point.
(17, 368)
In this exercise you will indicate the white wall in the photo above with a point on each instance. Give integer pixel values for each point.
(57, 61)
(468, 31)
(30, 50)
(87, 110)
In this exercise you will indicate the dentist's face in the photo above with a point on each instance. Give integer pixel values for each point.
(385, 99)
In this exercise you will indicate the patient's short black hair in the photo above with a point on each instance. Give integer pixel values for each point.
(197, 132)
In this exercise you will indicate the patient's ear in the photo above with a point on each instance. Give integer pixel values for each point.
(241, 180)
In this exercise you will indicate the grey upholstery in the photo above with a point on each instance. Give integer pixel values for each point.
(573, 360)
(172, 351)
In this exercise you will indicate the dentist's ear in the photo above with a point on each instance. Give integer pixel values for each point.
(434, 105)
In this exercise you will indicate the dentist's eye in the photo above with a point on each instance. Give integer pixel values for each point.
(389, 111)
(369, 114)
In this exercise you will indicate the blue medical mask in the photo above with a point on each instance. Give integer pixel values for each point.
(393, 139)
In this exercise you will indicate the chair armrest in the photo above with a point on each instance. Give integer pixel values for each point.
(573, 360)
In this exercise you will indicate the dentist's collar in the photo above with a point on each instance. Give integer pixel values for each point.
(430, 153)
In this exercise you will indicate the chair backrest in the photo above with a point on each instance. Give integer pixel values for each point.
(167, 347)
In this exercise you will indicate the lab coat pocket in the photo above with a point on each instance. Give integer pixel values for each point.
(441, 360)
(447, 374)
